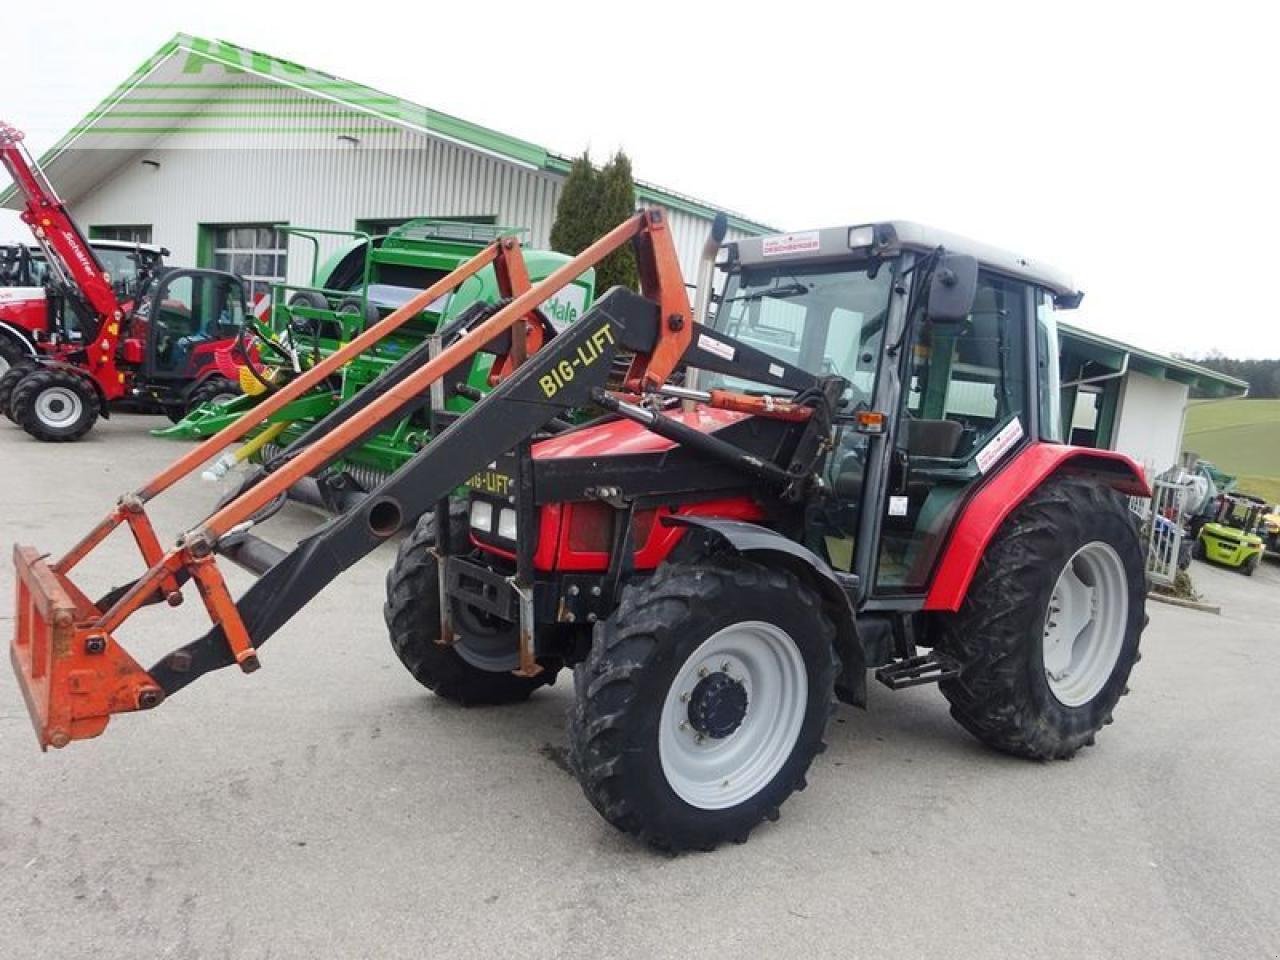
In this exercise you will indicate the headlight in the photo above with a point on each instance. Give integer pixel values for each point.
(507, 524)
(482, 515)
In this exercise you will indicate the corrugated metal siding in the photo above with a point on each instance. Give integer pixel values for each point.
(278, 159)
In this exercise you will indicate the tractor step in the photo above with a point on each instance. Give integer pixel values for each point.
(914, 671)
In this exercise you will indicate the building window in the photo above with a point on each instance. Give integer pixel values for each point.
(256, 252)
(137, 233)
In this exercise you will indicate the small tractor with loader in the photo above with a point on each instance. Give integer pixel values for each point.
(85, 338)
(859, 471)
(1235, 535)
(362, 282)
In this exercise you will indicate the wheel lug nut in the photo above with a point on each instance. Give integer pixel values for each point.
(724, 667)
(683, 725)
(699, 738)
(702, 671)
(684, 698)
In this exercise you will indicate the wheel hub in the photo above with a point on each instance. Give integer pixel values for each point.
(717, 705)
(732, 714)
(1084, 626)
(58, 406)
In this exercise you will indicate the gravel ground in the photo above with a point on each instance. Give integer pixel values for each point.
(327, 806)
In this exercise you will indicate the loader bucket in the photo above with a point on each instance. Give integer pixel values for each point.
(72, 676)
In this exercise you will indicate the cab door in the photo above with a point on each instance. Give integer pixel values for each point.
(190, 314)
(965, 406)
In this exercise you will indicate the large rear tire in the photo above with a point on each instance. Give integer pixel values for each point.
(11, 353)
(1049, 629)
(703, 702)
(412, 613)
(55, 406)
(9, 381)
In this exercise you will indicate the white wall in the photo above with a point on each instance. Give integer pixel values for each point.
(314, 180)
(1149, 421)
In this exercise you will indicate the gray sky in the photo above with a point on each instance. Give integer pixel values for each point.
(1131, 144)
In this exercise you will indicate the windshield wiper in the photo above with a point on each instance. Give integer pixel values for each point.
(781, 292)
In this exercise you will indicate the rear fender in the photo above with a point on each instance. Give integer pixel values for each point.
(18, 336)
(766, 546)
(1020, 477)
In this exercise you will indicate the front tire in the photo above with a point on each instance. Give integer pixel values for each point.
(412, 614)
(55, 406)
(703, 702)
(1049, 630)
(213, 390)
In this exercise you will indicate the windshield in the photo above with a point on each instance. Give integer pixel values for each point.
(827, 320)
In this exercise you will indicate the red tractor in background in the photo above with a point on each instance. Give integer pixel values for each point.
(80, 339)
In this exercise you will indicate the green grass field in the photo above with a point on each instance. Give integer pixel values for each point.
(1241, 437)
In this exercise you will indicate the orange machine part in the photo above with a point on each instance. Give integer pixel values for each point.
(74, 676)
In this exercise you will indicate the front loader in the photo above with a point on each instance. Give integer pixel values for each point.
(860, 461)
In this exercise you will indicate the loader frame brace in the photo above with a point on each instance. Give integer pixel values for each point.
(73, 672)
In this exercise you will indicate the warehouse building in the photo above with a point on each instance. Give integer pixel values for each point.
(210, 148)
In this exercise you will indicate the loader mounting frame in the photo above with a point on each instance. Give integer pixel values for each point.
(75, 674)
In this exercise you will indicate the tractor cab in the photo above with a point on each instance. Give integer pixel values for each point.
(188, 315)
(948, 352)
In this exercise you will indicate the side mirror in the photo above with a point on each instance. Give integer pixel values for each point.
(953, 288)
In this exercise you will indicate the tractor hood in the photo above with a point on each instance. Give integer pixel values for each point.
(623, 437)
(623, 455)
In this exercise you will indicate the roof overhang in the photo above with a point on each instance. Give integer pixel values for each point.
(1096, 358)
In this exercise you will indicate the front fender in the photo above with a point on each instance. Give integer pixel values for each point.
(750, 540)
(997, 498)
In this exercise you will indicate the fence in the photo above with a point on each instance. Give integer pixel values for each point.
(1162, 519)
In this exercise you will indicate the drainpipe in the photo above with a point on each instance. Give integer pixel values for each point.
(1124, 368)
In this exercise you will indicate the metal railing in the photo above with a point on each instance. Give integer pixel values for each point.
(1162, 522)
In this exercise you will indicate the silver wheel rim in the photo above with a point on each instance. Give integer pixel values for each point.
(1085, 625)
(713, 773)
(4, 366)
(58, 407)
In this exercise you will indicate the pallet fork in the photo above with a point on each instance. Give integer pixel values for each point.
(75, 675)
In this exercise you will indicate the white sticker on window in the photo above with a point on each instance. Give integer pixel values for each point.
(712, 345)
(1000, 444)
(776, 371)
(788, 243)
(898, 506)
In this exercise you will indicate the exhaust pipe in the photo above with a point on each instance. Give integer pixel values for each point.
(706, 275)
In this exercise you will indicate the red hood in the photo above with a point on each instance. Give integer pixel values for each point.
(621, 437)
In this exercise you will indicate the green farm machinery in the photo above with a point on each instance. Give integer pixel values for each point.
(366, 279)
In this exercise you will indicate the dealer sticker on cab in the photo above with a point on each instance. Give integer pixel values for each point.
(1000, 444)
(788, 243)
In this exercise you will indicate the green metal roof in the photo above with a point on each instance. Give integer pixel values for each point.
(262, 70)
(1111, 354)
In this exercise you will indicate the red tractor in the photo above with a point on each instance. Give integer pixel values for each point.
(860, 471)
(76, 336)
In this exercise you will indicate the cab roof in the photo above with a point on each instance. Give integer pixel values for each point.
(892, 237)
